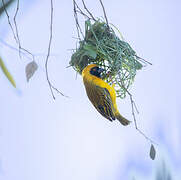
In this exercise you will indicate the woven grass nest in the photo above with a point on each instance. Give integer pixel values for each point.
(103, 47)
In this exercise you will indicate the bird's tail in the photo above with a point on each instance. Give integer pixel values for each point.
(121, 119)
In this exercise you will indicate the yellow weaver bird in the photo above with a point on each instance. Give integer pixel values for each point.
(101, 94)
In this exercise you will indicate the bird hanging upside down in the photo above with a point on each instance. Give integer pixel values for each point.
(101, 94)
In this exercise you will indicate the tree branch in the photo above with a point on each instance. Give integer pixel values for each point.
(16, 29)
(104, 11)
(133, 108)
(85, 7)
(48, 54)
(9, 22)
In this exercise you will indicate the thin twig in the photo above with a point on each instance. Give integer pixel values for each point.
(9, 22)
(105, 16)
(77, 9)
(28, 52)
(15, 33)
(25, 54)
(13, 48)
(77, 22)
(58, 91)
(133, 108)
(80, 10)
(48, 54)
(134, 117)
(16, 28)
(143, 60)
(49, 46)
(88, 10)
(133, 113)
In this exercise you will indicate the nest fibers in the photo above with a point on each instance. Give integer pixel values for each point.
(103, 47)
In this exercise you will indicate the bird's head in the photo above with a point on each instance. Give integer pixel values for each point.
(92, 69)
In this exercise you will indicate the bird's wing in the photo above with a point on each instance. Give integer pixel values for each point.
(101, 99)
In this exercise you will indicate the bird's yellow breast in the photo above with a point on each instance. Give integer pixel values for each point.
(95, 81)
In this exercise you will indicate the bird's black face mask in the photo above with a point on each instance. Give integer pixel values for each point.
(96, 71)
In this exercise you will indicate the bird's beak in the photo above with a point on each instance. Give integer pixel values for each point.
(100, 70)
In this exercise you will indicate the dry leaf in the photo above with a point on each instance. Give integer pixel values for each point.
(152, 152)
(30, 70)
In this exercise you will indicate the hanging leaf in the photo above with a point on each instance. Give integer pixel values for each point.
(152, 152)
(30, 70)
(7, 73)
(90, 51)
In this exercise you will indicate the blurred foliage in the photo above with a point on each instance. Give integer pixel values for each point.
(163, 173)
(6, 5)
(7, 73)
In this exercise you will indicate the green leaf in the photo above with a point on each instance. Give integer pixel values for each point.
(7, 73)
(90, 51)
(138, 65)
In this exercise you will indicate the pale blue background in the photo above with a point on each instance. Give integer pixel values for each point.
(67, 139)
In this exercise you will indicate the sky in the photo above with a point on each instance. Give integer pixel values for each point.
(66, 138)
